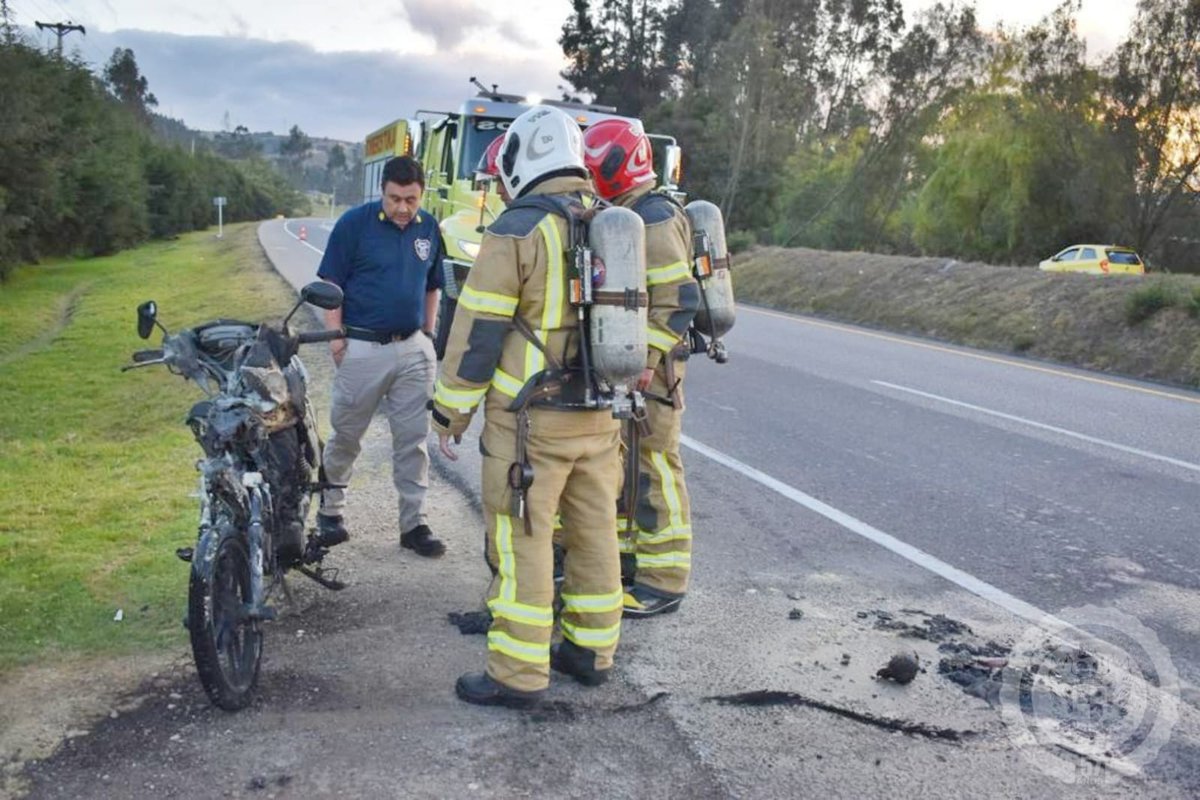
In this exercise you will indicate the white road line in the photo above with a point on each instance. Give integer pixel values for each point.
(301, 241)
(915, 555)
(1042, 426)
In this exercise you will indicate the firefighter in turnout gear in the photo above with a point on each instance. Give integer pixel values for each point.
(655, 531)
(513, 347)
(488, 168)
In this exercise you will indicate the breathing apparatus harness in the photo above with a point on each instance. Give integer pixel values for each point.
(546, 388)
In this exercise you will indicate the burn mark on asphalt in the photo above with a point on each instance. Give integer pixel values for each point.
(978, 669)
(769, 697)
(1053, 680)
(933, 627)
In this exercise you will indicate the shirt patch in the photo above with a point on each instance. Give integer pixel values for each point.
(423, 246)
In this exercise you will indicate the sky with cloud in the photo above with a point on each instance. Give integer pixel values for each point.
(342, 70)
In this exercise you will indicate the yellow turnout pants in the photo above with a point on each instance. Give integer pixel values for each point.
(662, 522)
(576, 470)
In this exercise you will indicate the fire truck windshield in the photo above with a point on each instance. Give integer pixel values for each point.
(478, 134)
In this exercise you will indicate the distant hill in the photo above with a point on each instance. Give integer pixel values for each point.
(313, 174)
(262, 143)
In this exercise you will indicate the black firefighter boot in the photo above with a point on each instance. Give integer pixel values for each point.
(578, 662)
(482, 689)
(642, 601)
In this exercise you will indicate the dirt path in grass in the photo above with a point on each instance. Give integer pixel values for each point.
(66, 310)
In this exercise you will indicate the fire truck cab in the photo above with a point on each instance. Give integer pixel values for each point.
(449, 146)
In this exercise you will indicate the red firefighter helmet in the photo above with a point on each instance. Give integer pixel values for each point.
(617, 153)
(488, 161)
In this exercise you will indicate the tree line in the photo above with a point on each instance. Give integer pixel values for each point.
(83, 172)
(841, 124)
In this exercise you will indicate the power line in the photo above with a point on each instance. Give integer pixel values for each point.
(40, 8)
(92, 49)
(42, 12)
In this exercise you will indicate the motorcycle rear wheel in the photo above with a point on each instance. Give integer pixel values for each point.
(226, 643)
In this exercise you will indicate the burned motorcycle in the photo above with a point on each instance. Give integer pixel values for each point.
(261, 466)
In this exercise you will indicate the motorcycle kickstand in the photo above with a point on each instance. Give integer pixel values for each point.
(319, 576)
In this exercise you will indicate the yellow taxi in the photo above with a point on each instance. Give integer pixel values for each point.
(1098, 259)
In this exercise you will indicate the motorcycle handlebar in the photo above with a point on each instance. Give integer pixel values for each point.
(146, 358)
(307, 337)
(147, 355)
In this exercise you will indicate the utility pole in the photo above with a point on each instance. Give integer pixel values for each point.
(61, 29)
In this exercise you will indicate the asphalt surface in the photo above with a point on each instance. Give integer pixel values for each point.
(1023, 474)
(840, 479)
(1057, 490)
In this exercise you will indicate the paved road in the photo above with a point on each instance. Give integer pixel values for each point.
(898, 469)
(295, 258)
(1059, 487)
(844, 483)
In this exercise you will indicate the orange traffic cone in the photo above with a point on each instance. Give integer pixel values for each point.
(303, 234)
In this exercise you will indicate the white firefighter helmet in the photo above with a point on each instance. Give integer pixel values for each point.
(543, 142)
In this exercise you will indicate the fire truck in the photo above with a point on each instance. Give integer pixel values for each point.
(449, 145)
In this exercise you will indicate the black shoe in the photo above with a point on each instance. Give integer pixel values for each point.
(483, 690)
(420, 540)
(642, 602)
(330, 531)
(578, 662)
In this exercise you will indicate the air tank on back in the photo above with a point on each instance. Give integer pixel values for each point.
(716, 315)
(618, 326)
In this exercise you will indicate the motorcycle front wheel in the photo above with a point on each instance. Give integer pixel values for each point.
(226, 642)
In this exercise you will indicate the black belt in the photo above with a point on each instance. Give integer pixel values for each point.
(382, 337)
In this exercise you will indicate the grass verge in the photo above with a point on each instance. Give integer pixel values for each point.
(1140, 326)
(96, 465)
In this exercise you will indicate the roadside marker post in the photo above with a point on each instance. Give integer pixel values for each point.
(219, 202)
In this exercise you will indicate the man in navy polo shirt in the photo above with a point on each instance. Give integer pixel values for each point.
(386, 256)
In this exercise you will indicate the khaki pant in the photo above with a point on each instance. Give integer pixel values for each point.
(576, 468)
(399, 377)
(662, 523)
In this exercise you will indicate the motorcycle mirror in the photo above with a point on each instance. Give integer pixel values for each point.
(147, 314)
(322, 294)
